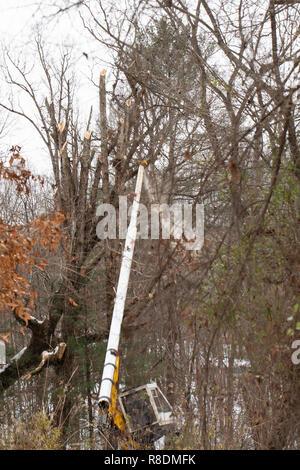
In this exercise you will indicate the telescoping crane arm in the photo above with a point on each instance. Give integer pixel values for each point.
(111, 362)
(143, 414)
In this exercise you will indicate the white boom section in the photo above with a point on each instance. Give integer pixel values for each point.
(117, 316)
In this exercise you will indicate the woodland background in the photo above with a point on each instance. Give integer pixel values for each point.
(208, 93)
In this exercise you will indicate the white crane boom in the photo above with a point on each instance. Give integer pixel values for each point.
(117, 316)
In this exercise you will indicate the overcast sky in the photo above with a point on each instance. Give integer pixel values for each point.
(18, 20)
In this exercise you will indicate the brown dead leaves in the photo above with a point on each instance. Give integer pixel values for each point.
(5, 337)
(20, 245)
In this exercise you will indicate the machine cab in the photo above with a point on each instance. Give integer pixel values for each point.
(147, 412)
